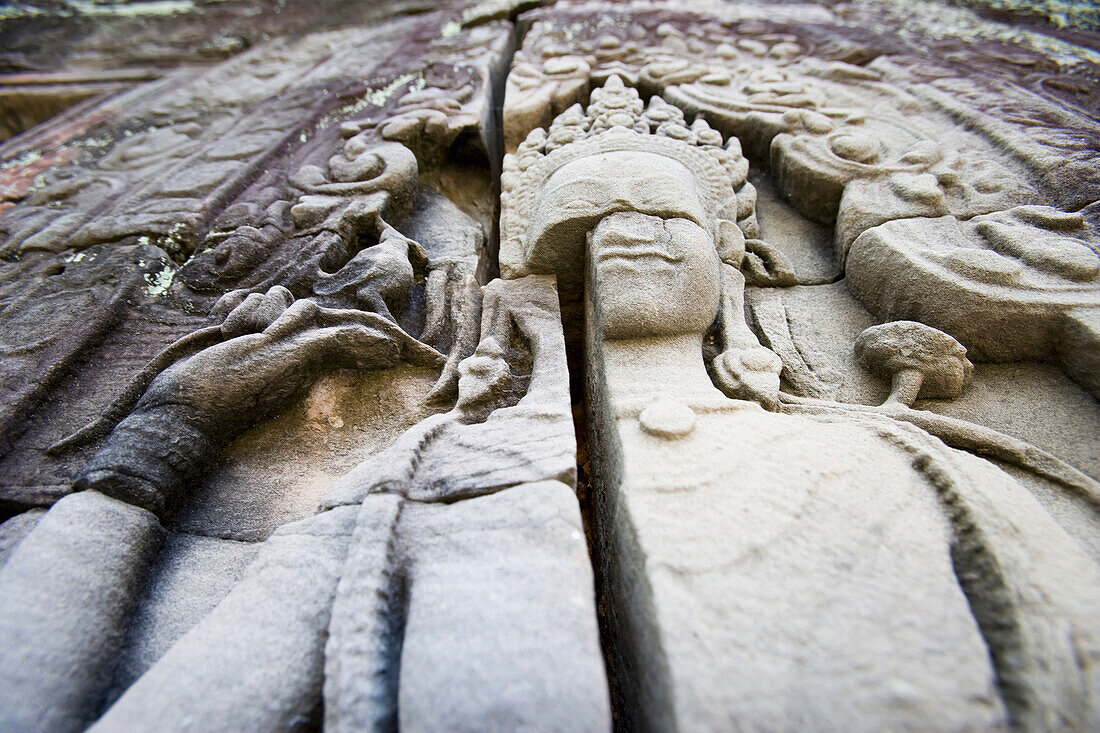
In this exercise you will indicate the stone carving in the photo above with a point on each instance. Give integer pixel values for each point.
(922, 361)
(169, 176)
(513, 384)
(1012, 285)
(376, 565)
(917, 359)
(319, 281)
(212, 396)
(615, 159)
(654, 284)
(50, 320)
(250, 129)
(796, 342)
(1033, 113)
(274, 349)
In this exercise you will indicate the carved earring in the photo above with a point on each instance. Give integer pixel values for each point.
(731, 243)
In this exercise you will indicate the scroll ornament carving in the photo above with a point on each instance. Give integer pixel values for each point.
(428, 120)
(362, 181)
(808, 115)
(558, 65)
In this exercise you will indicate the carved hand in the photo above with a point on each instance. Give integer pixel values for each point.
(245, 378)
(749, 374)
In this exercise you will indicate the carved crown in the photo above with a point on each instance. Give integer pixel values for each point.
(617, 120)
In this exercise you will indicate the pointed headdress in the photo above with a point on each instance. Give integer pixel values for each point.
(615, 121)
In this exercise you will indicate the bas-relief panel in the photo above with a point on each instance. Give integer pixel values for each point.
(713, 516)
(830, 315)
(302, 385)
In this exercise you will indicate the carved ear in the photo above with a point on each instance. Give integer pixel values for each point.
(765, 266)
(731, 243)
(744, 370)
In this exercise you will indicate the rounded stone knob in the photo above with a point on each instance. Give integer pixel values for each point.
(667, 418)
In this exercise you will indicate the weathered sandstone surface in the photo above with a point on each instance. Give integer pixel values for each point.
(563, 366)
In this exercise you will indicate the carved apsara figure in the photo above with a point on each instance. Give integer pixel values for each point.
(774, 571)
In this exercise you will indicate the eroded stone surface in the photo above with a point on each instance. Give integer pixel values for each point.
(689, 553)
(353, 355)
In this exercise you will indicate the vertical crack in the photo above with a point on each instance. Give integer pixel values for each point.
(494, 138)
(573, 322)
(571, 303)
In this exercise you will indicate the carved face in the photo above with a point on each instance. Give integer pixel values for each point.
(581, 193)
(626, 180)
(652, 276)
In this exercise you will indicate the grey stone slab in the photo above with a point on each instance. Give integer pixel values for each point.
(501, 629)
(67, 593)
(15, 529)
(255, 662)
(192, 575)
